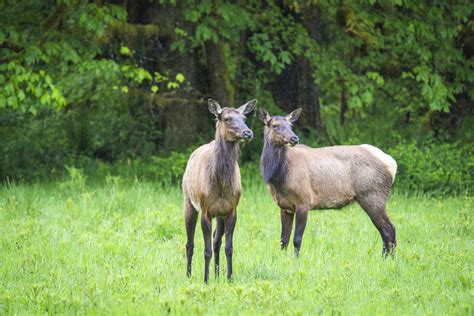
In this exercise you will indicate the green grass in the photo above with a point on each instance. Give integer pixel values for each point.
(118, 247)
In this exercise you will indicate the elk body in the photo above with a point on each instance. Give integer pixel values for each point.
(301, 178)
(211, 185)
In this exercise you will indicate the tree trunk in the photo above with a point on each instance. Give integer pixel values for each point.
(220, 85)
(344, 106)
(296, 87)
(308, 99)
(219, 79)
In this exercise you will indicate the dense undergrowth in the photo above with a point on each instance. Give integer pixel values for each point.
(434, 169)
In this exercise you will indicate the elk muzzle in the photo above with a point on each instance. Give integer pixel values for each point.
(294, 140)
(248, 134)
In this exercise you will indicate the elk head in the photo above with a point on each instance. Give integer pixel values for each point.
(278, 128)
(231, 122)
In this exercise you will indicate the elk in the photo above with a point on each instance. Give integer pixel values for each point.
(301, 178)
(211, 185)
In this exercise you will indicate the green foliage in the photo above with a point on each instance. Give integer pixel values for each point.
(434, 167)
(233, 19)
(417, 60)
(167, 170)
(76, 181)
(39, 62)
(38, 147)
(45, 68)
(33, 148)
(171, 168)
(118, 247)
(126, 149)
(277, 39)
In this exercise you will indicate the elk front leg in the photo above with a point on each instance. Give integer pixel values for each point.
(286, 226)
(218, 233)
(300, 225)
(206, 226)
(229, 234)
(190, 220)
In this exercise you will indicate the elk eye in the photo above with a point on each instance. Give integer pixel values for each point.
(275, 126)
(226, 119)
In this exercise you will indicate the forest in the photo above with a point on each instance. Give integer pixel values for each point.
(122, 86)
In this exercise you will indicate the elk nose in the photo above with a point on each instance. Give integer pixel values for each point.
(248, 134)
(294, 140)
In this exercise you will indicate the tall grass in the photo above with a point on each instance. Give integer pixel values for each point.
(118, 247)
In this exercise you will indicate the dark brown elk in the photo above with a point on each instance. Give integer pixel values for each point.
(211, 185)
(301, 178)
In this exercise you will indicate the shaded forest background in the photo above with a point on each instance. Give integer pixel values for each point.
(120, 87)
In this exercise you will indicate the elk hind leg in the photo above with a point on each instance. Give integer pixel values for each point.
(375, 206)
(300, 224)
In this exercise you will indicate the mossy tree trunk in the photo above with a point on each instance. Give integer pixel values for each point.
(220, 85)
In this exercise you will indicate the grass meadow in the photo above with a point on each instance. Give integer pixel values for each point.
(117, 246)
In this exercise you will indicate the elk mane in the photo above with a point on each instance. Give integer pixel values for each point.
(273, 165)
(223, 161)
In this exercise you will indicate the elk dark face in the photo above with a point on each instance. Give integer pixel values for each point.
(231, 122)
(278, 128)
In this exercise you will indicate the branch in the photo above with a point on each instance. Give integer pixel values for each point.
(345, 17)
(161, 100)
(13, 45)
(54, 17)
(133, 31)
(16, 47)
(52, 20)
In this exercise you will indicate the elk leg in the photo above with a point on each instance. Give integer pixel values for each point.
(286, 226)
(190, 219)
(300, 225)
(229, 233)
(206, 226)
(218, 233)
(375, 207)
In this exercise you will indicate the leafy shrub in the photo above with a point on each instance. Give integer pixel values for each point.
(161, 169)
(434, 167)
(33, 147)
(165, 170)
(41, 147)
(76, 180)
(38, 147)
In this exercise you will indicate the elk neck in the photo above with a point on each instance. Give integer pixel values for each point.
(223, 161)
(273, 163)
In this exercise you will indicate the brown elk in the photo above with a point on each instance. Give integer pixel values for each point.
(301, 178)
(211, 185)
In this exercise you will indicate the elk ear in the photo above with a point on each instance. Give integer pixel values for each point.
(214, 107)
(264, 116)
(247, 107)
(294, 116)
